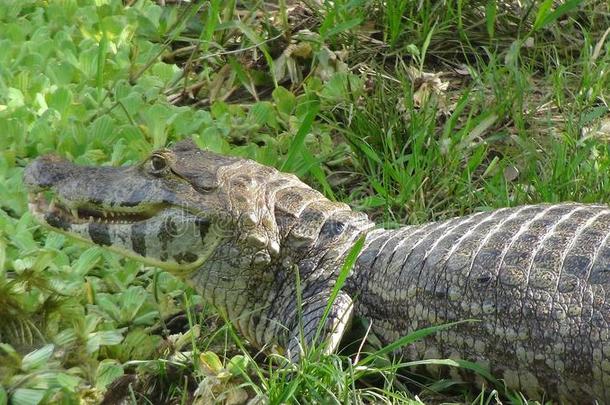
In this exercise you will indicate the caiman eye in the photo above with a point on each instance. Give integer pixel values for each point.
(158, 164)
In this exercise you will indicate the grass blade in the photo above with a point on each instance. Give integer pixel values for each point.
(350, 260)
(544, 17)
(299, 139)
(410, 338)
(490, 17)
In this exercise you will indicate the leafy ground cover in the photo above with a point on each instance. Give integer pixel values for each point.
(409, 110)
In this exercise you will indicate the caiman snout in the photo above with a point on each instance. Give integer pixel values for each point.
(46, 171)
(133, 210)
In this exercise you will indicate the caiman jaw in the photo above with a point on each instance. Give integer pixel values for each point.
(87, 213)
(167, 237)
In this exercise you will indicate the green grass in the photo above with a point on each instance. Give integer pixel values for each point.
(409, 110)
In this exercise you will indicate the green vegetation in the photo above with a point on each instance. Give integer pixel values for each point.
(409, 110)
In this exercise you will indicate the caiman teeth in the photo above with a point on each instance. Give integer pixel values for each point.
(82, 213)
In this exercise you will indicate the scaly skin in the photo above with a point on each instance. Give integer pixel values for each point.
(535, 277)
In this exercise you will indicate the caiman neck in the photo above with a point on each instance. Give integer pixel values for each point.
(315, 233)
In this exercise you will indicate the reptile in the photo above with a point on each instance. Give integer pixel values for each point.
(267, 250)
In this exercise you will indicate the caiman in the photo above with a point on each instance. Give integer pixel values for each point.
(537, 277)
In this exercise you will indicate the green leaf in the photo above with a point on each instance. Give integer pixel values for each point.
(313, 166)
(340, 28)
(263, 113)
(101, 129)
(60, 100)
(67, 381)
(138, 344)
(284, 99)
(238, 364)
(483, 125)
(455, 363)
(212, 16)
(346, 268)
(410, 338)
(342, 86)
(545, 17)
(106, 303)
(86, 261)
(210, 363)
(490, 17)
(107, 371)
(87, 61)
(10, 351)
(131, 301)
(15, 98)
(37, 358)
(104, 338)
(27, 396)
(65, 337)
(244, 77)
(3, 396)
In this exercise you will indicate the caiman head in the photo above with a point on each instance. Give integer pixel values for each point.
(238, 231)
(172, 210)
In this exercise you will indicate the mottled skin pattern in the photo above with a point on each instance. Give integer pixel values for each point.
(536, 277)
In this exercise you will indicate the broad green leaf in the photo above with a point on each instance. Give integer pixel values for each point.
(104, 338)
(210, 363)
(238, 364)
(138, 345)
(60, 100)
(37, 358)
(65, 337)
(342, 86)
(263, 113)
(86, 261)
(285, 100)
(15, 98)
(131, 301)
(107, 371)
(165, 72)
(27, 396)
(54, 241)
(101, 129)
(87, 61)
(67, 381)
(107, 305)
